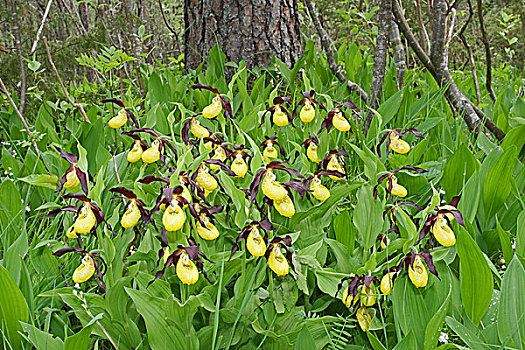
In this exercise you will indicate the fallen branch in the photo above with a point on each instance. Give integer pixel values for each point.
(326, 42)
(75, 104)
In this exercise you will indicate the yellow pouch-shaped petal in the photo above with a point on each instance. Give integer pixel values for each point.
(279, 117)
(70, 233)
(443, 233)
(307, 113)
(152, 154)
(270, 153)
(186, 270)
(277, 262)
(397, 189)
(334, 164)
(364, 318)
(72, 179)
(85, 270)
(397, 145)
(311, 153)
(213, 110)
(319, 191)
(340, 123)
(198, 130)
(285, 207)
(271, 188)
(131, 216)
(219, 154)
(209, 232)
(119, 120)
(348, 299)
(239, 166)
(135, 154)
(85, 221)
(386, 283)
(205, 180)
(173, 218)
(418, 274)
(255, 243)
(368, 297)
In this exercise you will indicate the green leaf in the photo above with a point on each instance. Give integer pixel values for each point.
(42, 180)
(504, 239)
(42, 340)
(498, 182)
(376, 344)
(467, 335)
(457, 170)
(82, 158)
(79, 341)
(345, 230)
(433, 329)
(305, 341)
(407, 343)
(475, 277)
(511, 325)
(368, 216)
(13, 308)
(389, 108)
(520, 235)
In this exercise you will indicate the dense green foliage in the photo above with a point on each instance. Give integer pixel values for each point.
(477, 299)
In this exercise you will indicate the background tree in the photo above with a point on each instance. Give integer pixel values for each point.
(250, 30)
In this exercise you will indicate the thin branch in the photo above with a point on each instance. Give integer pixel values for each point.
(46, 12)
(423, 31)
(75, 104)
(450, 32)
(470, 53)
(167, 23)
(488, 55)
(326, 43)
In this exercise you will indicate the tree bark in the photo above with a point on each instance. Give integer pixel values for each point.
(436, 64)
(20, 52)
(378, 77)
(250, 30)
(399, 55)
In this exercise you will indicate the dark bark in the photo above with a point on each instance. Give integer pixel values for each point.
(488, 55)
(436, 64)
(250, 30)
(84, 15)
(326, 42)
(399, 55)
(378, 78)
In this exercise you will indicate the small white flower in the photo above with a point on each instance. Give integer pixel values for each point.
(503, 267)
(28, 209)
(502, 261)
(443, 338)
(514, 244)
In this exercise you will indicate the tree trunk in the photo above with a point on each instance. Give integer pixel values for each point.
(250, 30)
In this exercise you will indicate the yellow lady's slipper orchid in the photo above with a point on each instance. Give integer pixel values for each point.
(255, 243)
(334, 164)
(131, 216)
(277, 262)
(152, 154)
(339, 122)
(239, 166)
(442, 231)
(398, 145)
(270, 152)
(85, 270)
(186, 194)
(418, 274)
(311, 153)
(198, 130)
(348, 299)
(85, 220)
(72, 179)
(285, 207)
(205, 180)
(368, 297)
(213, 110)
(271, 188)
(135, 153)
(70, 233)
(307, 113)
(219, 154)
(397, 189)
(119, 120)
(384, 242)
(174, 217)
(319, 191)
(166, 256)
(364, 318)
(386, 283)
(186, 270)
(279, 117)
(450, 216)
(209, 231)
